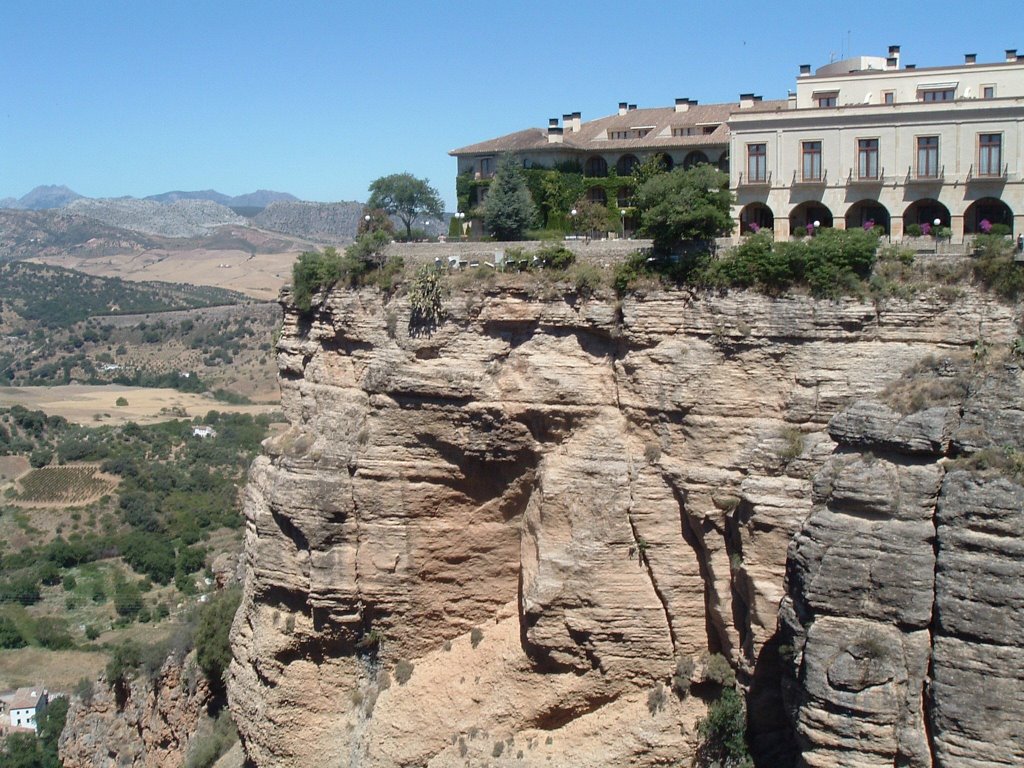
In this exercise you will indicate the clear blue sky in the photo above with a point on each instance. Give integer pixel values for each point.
(138, 97)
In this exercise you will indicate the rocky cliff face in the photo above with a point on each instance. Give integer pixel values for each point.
(905, 608)
(148, 724)
(492, 542)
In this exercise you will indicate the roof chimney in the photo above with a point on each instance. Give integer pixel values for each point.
(747, 100)
(805, 70)
(682, 104)
(970, 58)
(911, 66)
(622, 107)
(1011, 54)
(567, 121)
(577, 120)
(894, 53)
(892, 62)
(632, 107)
(554, 131)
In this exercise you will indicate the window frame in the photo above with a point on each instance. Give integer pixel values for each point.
(761, 160)
(888, 97)
(811, 150)
(867, 155)
(989, 151)
(931, 153)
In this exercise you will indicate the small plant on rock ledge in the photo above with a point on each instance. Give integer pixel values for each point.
(403, 671)
(656, 699)
(475, 636)
(426, 299)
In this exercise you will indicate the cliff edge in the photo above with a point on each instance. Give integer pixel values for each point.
(494, 541)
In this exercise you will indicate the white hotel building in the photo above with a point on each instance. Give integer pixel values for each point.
(863, 139)
(868, 139)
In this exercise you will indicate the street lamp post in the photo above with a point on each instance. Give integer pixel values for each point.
(935, 230)
(817, 224)
(622, 219)
(460, 217)
(575, 234)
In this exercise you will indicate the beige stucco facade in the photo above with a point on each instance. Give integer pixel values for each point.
(949, 146)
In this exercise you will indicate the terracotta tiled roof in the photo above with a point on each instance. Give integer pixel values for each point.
(26, 698)
(659, 123)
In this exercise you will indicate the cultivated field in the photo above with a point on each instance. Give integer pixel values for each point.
(73, 485)
(58, 670)
(259, 275)
(92, 404)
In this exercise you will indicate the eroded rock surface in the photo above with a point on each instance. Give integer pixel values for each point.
(145, 724)
(541, 504)
(905, 606)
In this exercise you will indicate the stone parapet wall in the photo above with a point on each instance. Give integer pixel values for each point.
(586, 250)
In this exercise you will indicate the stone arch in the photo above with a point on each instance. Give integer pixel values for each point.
(669, 162)
(807, 213)
(925, 211)
(695, 157)
(990, 209)
(595, 167)
(864, 211)
(757, 214)
(626, 165)
(723, 162)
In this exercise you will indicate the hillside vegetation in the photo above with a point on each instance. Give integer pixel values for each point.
(63, 326)
(115, 524)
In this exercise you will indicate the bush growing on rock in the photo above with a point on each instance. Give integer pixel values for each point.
(403, 671)
(723, 734)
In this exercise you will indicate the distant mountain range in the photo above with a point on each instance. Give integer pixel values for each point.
(52, 196)
(59, 219)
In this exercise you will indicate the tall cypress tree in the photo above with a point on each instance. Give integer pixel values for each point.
(509, 209)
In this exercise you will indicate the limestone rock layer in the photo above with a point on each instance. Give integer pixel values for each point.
(490, 542)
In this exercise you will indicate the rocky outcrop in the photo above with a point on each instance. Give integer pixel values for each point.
(326, 222)
(182, 218)
(905, 615)
(145, 724)
(490, 542)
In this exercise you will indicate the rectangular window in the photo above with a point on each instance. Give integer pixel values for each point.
(990, 154)
(946, 94)
(988, 91)
(811, 153)
(867, 158)
(757, 162)
(827, 99)
(927, 157)
(888, 97)
(486, 166)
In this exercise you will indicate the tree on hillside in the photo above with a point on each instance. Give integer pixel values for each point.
(508, 209)
(406, 197)
(690, 204)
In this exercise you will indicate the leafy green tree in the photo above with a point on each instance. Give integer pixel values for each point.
(590, 216)
(10, 635)
(312, 272)
(508, 209)
(213, 651)
(378, 221)
(723, 734)
(405, 196)
(368, 250)
(648, 169)
(690, 204)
